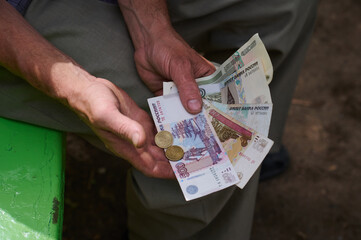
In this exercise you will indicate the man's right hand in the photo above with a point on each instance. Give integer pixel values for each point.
(125, 129)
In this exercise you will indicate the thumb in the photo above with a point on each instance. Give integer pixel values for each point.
(128, 129)
(183, 77)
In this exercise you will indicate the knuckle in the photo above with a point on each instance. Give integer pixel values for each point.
(180, 66)
(123, 130)
(98, 115)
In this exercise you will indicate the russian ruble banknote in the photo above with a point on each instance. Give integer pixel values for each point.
(209, 91)
(246, 85)
(244, 95)
(233, 125)
(246, 148)
(205, 166)
(255, 116)
(250, 59)
(250, 51)
(244, 58)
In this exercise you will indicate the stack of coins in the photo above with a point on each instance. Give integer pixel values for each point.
(164, 139)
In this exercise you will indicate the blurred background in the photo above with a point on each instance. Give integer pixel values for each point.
(318, 197)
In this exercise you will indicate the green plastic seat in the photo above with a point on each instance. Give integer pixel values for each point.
(31, 181)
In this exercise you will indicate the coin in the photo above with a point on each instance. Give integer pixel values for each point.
(174, 153)
(163, 139)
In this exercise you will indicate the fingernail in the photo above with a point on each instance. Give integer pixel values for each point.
(194, 105)
(135, 139)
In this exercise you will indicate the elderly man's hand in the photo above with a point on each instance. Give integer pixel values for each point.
(169, 58)
(125, 129)
(161, 54)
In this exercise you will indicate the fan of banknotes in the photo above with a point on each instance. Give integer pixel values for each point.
(225, 143)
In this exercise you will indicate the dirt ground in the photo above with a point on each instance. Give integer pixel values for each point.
(317, 198)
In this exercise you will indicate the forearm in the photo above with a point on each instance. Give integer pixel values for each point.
(27, 54)
(145, 20)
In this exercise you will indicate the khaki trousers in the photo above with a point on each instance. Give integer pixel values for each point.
(94, 34)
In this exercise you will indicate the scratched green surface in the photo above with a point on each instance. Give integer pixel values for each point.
(31, 181)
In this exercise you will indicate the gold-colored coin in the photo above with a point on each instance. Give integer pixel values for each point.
(163, 139)
(174, 153)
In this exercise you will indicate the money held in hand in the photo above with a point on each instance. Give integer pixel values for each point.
(245, 147)
(174, 153)
(225, 144)
(163, 139)
(205, 167)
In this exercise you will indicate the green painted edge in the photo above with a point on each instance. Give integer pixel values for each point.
(31, 181)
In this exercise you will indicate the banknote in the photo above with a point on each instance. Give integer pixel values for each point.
(255, 116)
(205, 167)
(210, 91)
(245, 147)
(246, 85)
(250, 51)
(205, 90)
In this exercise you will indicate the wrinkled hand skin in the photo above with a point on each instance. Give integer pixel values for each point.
(170, 58)
(126, 130)
(115, 118)
(160, 52)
